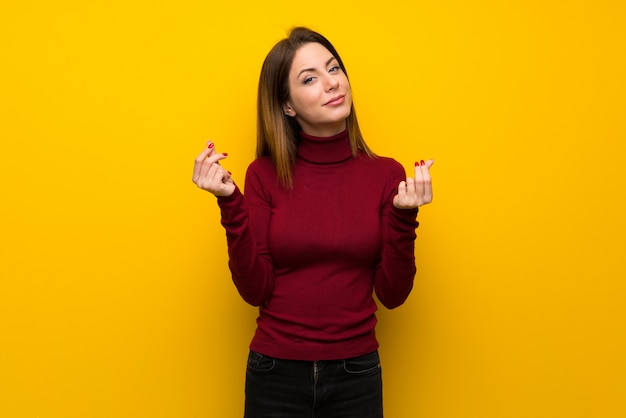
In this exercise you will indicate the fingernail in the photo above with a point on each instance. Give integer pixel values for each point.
(417, 163)
(422, 162)
(211, 145)
(225, 154)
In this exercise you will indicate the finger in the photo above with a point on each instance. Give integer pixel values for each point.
(215, 174)
(424, 174)
(208, 151)
(202, 168)
(220, 179)
(428, 191)
(213, 178)
(401, 196)
(205, 168)
(222, 174)
(418, 169)
(201, 158)
(419, 178)
(213, 151)
(428, 186)
(198, 162)
(402, 189)
(418, 189)
(216, 157)
(411, 186)
(424, 164)
(423, 168)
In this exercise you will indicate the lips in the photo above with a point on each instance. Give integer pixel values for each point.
(335, 101)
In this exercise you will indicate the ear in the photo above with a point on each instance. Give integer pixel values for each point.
(288, 110)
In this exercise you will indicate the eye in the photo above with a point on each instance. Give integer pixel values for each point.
(308, 80)
(334, 69)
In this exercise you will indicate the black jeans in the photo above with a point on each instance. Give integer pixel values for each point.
(350, 388)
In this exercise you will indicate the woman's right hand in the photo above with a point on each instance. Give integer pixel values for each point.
(209, 175)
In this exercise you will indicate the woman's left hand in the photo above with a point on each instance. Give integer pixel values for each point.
(418, 191)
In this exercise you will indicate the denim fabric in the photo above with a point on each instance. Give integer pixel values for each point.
(350, 388)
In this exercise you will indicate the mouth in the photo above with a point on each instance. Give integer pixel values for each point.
(335, 101)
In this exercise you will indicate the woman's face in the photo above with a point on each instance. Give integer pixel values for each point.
(320, 99)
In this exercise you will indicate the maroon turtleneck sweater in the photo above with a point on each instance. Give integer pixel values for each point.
(311, 257)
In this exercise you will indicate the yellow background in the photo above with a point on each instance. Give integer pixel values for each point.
(115, 297)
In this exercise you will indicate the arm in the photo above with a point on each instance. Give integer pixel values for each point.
(246, 221)
(251, 267)
(396, 270)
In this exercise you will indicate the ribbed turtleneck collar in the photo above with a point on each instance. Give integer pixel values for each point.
(325, 150)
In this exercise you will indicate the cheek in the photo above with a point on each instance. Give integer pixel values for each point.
(302, 100)
(348, 87)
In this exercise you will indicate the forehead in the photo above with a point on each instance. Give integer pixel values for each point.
(311, 55)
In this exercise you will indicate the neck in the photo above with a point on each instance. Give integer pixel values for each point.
(322, 130)
(325, 150)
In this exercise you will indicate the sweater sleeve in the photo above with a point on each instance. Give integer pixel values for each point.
(246, 221)
(396, 269)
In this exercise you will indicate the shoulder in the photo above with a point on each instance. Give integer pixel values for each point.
(261, 163)
(382, 164)
(262, 166)
(260, 176)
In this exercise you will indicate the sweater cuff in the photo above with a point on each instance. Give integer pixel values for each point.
(230, 206)
(226, 200)
(405, 213)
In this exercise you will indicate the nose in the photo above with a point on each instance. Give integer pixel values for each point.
(332, 83)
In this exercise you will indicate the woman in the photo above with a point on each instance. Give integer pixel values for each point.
(324, 223)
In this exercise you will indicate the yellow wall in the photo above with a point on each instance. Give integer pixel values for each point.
(115, 297)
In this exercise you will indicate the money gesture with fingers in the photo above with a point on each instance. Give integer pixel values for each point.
(209, 175)
(418, 191)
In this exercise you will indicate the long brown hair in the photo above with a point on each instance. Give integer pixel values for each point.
(277, 133)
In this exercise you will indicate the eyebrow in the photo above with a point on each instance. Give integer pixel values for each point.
(313, 69)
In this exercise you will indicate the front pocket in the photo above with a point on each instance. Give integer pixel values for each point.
(363, 365)
(259, 363)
